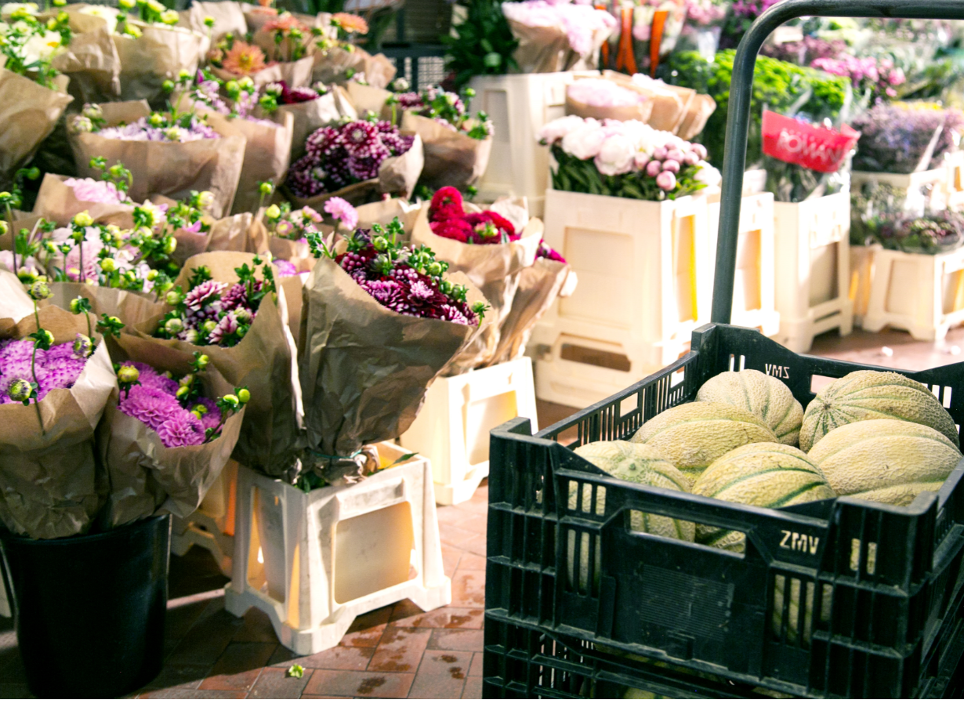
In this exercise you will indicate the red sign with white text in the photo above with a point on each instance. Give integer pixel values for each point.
(800, 143)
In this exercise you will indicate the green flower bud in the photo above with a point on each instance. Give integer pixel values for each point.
(167, 86)
(108, 264)
(33, 173)
(20, 390)
(273, 212)
(173, 297)
(244, 396)
(434, 269)
(209, 326)
(202, 361)
(182, 392)
(173, 326)
(128, 374)
(231, 401)
(380, 244)
(265, 188)
(191, 336)
(446, 286)
(83, 346)
(38, 291)
(83, 219)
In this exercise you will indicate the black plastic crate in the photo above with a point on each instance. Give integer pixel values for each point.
(879, 588)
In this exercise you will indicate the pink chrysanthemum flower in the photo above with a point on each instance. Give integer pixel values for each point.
(185, 429)
(150, 406)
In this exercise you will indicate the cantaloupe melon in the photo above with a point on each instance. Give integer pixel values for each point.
(693, 436)
(863, 395)
(640, 464)
(770, 475)
(762, 395)
(885, 460)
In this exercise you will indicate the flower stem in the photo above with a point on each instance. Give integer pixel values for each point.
(33, 371)
(13, 236)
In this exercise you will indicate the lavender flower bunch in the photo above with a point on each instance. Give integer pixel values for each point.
(401, 278)
(895, 138)
(872, 77)
(337, 157)
(214, 313)
(175, 409)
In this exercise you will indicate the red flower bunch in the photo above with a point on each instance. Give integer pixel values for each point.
(448, 218)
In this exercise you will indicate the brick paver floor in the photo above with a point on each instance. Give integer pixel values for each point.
(394, 652)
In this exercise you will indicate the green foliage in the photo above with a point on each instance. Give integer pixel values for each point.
(484, 45)
(778, 86)
(576, 175)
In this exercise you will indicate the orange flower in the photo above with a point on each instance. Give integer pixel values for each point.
(265, 3)
(243, 59)
(350, 23)
(286, 23)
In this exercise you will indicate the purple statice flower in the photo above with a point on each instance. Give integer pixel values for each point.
(184, 429)
(90, 190)
(212, 417)
(150, 406)
(284, 268)
(143, 131)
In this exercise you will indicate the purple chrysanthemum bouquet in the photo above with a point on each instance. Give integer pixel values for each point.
(873, 78)
(337, 157)
(902, 138)
(380, 320)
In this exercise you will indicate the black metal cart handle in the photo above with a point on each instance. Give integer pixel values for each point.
(741, 91)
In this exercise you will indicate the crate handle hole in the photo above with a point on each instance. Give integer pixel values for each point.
(583, 562)
(583, 501)
(870, 560)
(595, 357)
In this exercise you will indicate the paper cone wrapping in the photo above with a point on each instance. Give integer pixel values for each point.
(386, 210)
(159, 54)
(694, 120)
(262, 361)
(306, 117)
(144, 474)
(366, 98)
(494, 268)
(541, 49)
(238, 233)
(294, 74)
(228, 17)
(641, 111)
(56, 202)
(675, 109)
(28, 113)
(171, 169)
(364, 368)
(132, 308)
(397, 176)
(92, 64)
(452, 158)
(50, 484)
(331, 66)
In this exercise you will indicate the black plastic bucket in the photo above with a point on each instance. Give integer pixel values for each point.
(89, 610)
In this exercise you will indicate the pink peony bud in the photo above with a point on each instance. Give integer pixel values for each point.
(654, 168)
(666, 181)
(659, 154)
(671, 166)
(675, 155)
(691, 158)
(700, 150)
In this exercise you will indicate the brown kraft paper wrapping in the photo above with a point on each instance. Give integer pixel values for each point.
(132, 308)
(144, 474)
(396, 176)
(159, 54)
(365, 99)
(309, 116)
(28, 113)
(56, 202)
(675, 109)
(640, 111)
(495, 269)
(452, 158)
(365, 369)
(386, 210)
(50, 485)
(331, 65)
(238, 233)
(294, 74)
(539, 286)
(172, 169)
(228, 17)
(262, 361)
(93, 66)
(541, 49)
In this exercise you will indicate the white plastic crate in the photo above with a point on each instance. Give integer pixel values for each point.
(452, 428)
(645, 282)
(941, 186)
(754, 299)
(954, 166)
(920, 293)
(211, 527)
(519, 106)
(812, 269)
(314, 561)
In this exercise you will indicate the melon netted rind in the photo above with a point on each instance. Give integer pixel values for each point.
(640, 464)
(760, 394)
(866, 394)
(692, 436)
(885, 460)
(769, 475)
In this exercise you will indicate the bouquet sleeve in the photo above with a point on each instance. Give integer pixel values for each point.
(640, 111)
(172, 169)
(92, 64)
(28, 113)
(306, 117)
(159, 54)
(294, 74)
(228, 17)
(366, 98)
(238, 233)
(262, 361)
(365, 369)
(144, 475)
(332, 65)
(495, 269)
(56, 202)
(541, 49)
(452, 158)
(50, 484)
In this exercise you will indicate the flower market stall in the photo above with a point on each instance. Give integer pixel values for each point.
(265, 294)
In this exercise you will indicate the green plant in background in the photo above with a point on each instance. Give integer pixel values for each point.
(484, 43)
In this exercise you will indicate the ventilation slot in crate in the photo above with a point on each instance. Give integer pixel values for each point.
(798, 609)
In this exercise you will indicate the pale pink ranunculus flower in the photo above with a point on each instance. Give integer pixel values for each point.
(615, 156)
